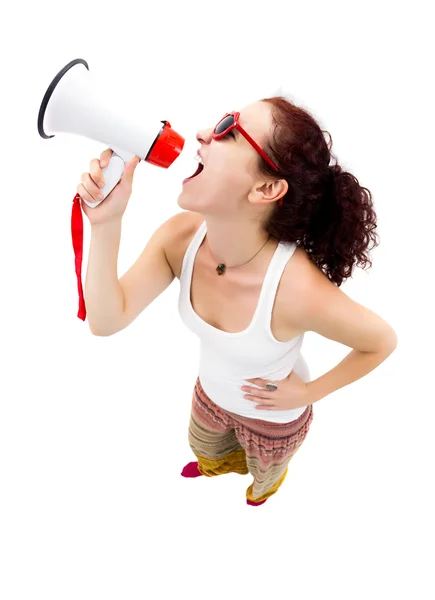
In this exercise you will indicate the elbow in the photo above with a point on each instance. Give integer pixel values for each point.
(98, 333)
(389, 342)
(393, 340)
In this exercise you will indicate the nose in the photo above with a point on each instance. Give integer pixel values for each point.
(204, 135)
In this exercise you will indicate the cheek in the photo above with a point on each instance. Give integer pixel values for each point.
(232, 174)
(240, 182)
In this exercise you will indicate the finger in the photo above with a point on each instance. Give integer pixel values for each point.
(85, 195)
(262, 383)
(257, 398)
(258, 381)
(129, 170)
(96, 173)
(266, 394)
(266, 391)
(105, 157)
(91, 187)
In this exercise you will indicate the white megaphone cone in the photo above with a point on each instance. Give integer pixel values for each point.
(74, 103)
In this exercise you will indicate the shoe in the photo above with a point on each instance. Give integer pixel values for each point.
(191, 470)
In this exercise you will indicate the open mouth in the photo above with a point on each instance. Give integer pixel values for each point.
(197, 172)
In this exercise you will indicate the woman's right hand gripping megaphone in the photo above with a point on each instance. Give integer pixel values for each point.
(90, 189)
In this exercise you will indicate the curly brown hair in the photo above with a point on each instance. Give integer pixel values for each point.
(325, 210)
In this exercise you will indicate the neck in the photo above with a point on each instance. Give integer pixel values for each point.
(234, 243)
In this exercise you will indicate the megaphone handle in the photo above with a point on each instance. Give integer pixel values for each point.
(112, 174)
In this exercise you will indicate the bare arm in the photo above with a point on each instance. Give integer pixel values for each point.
(112, 303)
(318, 305)
(103, 293)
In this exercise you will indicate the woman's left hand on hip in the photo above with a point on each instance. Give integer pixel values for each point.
(292, 393)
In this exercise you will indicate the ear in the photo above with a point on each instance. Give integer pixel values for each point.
(270, 191)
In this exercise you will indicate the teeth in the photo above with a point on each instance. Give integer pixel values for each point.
(199, 159)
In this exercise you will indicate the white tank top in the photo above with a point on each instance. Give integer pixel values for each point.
(228, 359)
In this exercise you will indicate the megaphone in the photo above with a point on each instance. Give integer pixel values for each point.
(75, 103)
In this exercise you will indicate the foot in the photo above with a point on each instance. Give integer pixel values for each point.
(191, 470)
(252, 503)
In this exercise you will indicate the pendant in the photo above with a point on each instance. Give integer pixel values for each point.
(220, 269)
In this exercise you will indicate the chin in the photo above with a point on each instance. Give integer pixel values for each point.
(188, 201)
(198, 201)
(183, 202)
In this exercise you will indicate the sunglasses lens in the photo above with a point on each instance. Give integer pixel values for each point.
(224, 124)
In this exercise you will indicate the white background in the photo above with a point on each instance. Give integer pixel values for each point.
(93, 431)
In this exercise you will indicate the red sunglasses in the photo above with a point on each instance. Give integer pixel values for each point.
(231, 121)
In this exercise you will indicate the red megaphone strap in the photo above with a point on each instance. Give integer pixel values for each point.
(77, 240)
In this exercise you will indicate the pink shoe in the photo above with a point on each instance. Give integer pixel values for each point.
(191, 470)
(251, 503)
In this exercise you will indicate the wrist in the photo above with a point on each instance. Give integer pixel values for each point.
(113, 223)
(314, 393)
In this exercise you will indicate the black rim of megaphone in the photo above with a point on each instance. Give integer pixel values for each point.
(50, 91)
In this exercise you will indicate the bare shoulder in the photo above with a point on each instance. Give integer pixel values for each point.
(181, 228)
(299, 269)
(300, 281)
(312, 302)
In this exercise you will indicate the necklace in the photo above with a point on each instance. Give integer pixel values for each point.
(220, 269)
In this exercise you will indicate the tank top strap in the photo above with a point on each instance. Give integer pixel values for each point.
(283, 254)
(192, 248)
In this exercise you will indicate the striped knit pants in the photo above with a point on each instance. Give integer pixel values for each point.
(225, 442)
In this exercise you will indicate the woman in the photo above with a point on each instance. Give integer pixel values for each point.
(270, 233)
